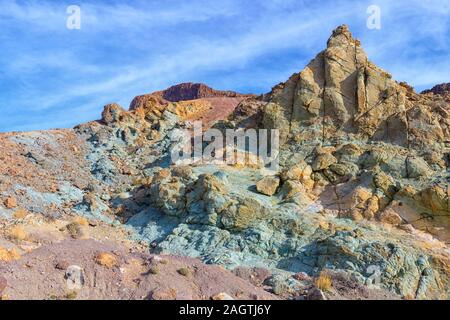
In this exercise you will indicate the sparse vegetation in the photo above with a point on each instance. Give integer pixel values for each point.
(409, 296)
(82, 221)
(184, 271)
(154, 270)
(17, 233)
(8, 255)
(71, 295)
(106, 259)
(20, 214)
(76, 230)
(324, 282)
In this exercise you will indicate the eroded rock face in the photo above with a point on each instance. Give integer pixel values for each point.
(112, 113)
(350, 121)
(342, 95)
(189, 101)
(205, 200)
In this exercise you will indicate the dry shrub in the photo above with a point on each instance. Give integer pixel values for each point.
(77, 230)
(409, 296)
(184, 271)
(82, 221)
(106, 259)
(71, 295)
(8, 255)
(20, 214)
(154, 270)
(17, 233)
(324, 282)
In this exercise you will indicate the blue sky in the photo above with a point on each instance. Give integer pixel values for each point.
(53, 77)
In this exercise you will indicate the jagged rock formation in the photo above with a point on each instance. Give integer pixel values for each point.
(342, 96)
(194, 102)
(441, 89)
(362, 193)
(344, 115)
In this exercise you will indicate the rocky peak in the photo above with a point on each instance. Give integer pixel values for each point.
(340, 35)
(440, 89)
(189, 98)
(193, 91)
(341, 95)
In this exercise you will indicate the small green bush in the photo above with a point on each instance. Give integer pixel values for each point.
(184, 271)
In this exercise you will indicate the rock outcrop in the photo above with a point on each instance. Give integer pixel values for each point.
(190, 101)
(342, 96)
(440, 89)
(194, 91)
(356, 126)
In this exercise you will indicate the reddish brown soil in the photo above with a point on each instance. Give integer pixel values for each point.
(220, 108)
(41, 275)
(29, 163)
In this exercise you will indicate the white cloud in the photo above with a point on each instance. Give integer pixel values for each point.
(203, 54)
(100, 16)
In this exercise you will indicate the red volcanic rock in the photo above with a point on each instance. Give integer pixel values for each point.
(193, 91)
(220, 109)
(147, 101)
(185, 92)
(216, 105)
(442, 89)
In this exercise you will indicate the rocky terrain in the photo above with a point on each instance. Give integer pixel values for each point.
(442, 89)
(359, 209)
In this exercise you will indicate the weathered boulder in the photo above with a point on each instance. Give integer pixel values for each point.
(268, 185)
(112, 113)
(241, 215)
(10, 202)
(300, 172)
(75, 277)
(389, 216)
(323, 161)
(417, 167)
